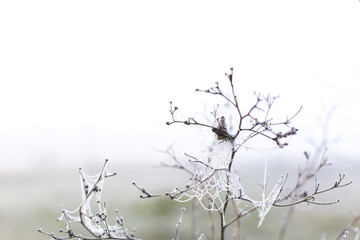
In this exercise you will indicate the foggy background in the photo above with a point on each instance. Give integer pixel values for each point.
(84, 81)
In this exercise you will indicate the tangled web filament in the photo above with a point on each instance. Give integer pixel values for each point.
(213, 179)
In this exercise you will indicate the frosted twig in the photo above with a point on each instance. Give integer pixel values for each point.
(177, 226)
(95, 224)
(310, 199)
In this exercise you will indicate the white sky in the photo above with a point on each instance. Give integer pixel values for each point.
(88, 80)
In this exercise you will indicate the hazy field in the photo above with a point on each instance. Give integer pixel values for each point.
(31, 200)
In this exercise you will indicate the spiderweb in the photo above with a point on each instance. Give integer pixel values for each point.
(213, 181)
(214, 184)
(96, 224)
(266, 203)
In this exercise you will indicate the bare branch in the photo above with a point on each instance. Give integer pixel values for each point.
(310, 199)
(95, 224)
(177, 226)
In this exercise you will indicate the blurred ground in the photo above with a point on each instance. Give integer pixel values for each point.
(32, 200)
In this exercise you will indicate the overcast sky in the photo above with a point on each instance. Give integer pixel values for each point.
(87, 80)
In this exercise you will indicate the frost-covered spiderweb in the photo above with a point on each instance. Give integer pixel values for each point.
(213, 180)
(96, 224)
(266, 203)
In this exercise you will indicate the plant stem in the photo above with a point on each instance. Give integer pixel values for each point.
(222, 226)
(238, 224)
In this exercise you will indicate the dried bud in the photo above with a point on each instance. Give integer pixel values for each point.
(221, 131)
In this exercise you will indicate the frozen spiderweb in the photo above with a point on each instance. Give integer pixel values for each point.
(214, 184)
(96, 224)
(266, 203)
(213, 180)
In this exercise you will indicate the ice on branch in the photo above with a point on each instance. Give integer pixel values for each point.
(93, 220)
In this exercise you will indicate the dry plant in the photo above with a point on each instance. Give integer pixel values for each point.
(213, 181)
(215, 184)
(95, 224)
